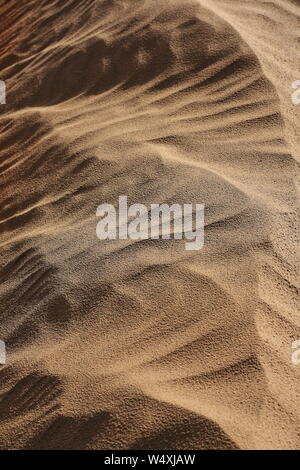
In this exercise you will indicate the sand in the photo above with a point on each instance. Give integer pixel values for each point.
(140, 344)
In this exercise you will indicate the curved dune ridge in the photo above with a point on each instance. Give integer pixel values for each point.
(141, 344)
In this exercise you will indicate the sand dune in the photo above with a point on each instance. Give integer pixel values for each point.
(141, 344)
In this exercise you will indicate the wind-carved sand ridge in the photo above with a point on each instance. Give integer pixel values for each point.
(141, 344)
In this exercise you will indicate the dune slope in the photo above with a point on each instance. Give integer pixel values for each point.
(141, 344)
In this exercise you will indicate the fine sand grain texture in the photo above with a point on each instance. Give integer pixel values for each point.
(141, 344)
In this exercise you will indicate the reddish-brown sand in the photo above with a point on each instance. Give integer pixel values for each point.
(143, 345)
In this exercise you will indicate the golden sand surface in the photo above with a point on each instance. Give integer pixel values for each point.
(142, 344)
